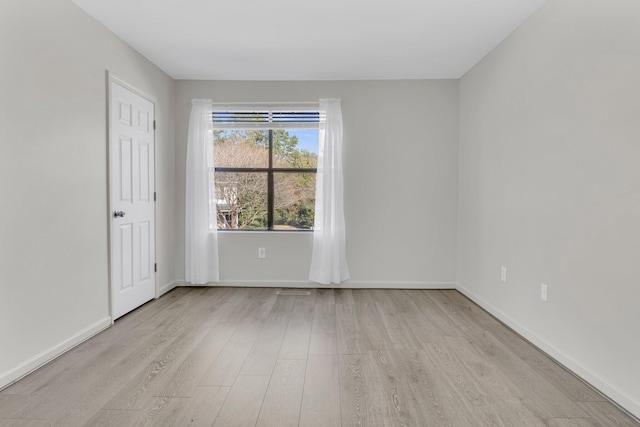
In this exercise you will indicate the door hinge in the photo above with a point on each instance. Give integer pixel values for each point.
(155, 267)
(154, 196)
(154, 125)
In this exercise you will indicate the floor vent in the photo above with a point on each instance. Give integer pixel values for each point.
(294, 292)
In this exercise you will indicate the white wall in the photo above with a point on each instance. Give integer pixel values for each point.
(400, 168)
(550, 187)
(548, 182)
(53, 176)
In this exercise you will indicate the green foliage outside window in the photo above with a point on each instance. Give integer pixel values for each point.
(242, 188)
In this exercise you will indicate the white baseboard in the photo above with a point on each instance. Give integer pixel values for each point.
(364, 284)
(267, 284)
(9, 377)
(350, 284)
(618, 397)
(168, 287)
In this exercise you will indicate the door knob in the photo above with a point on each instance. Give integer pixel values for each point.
(118, 214)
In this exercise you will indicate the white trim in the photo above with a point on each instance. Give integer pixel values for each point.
(364, 284)
(350, 284)
(168, 287)
(269, 284)
(124, 84)
(618, 397)
(9, 377)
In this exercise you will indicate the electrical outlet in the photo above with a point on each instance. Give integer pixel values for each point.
(262, 253)
(503, 274)
(543, 292)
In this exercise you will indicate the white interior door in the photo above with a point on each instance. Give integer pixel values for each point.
(131, 171)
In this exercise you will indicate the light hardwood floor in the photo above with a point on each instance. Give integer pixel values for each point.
(249, 357)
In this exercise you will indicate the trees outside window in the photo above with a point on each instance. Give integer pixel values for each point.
(265, 178)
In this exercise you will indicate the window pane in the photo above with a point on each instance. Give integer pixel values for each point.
(294, 201)
(295, 148)
(241, 200)
(241, 148)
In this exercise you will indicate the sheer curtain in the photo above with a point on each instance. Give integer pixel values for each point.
(201, 234)
(328, 262)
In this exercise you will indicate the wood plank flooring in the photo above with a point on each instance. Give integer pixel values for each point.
(249, 357)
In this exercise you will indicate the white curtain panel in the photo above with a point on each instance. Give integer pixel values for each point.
(329, 262)
(201, 241)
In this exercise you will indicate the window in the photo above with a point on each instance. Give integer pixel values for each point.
(265, 169)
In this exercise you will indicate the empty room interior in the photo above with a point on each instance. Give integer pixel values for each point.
(490, 188)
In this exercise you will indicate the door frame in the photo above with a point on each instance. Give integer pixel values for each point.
(111, 78)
